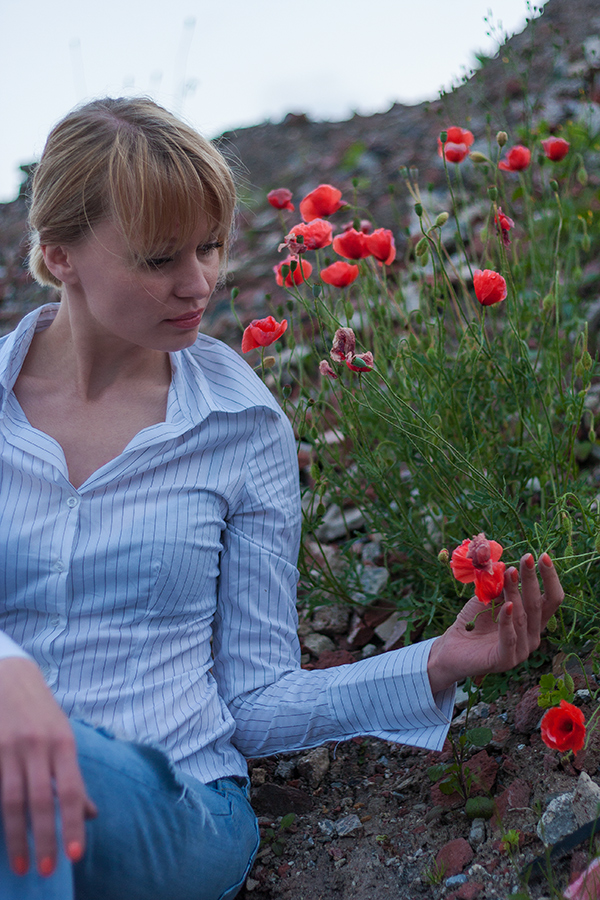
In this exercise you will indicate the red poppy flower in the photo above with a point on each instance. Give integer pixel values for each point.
(339, 274)
(517, 158)
(505, 223)
(352, 244)
(478, 560)
(302, 270)
(281, 198)
(361, 362)
(316, 233)
(323, 201)
(563, 728)
(262, 332)
(555, 148)
(325, 369)
(381, 245)
(490, 286)
(457, 144)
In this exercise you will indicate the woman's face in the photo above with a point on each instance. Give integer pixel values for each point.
(156, 306)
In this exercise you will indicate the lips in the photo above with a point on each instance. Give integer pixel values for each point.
(187, 320)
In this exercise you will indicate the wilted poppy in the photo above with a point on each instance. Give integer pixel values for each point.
(478, 560)
(340, 274)
(517, 158)
(361, 362)
(344, 345)
(325, 369)
(316, 234)
(505, 223)
(555, 148)
(299, 271)
(490, 286)
(352, 244)
(281, 198)
(457, 144)
(563, 727)
(262, 332)
(323, 201)
(381, 245)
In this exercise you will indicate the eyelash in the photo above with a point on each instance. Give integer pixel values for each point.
(204, 249)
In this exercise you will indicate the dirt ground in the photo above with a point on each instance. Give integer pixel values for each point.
(369, 823)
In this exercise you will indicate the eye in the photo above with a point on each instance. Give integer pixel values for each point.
(205, 249)
(159, 261)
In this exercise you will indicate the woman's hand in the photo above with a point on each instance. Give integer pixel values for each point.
(502, 639)
(38, 765)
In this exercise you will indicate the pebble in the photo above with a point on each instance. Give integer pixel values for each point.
(347, 825)
(455, 880)
(477, 833)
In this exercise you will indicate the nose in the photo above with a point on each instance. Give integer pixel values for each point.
(195, 278)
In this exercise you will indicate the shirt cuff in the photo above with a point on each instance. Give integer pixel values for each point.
(389, 696)
(9, 648)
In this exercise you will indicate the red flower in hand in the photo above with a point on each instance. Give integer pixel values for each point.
(381, 245)
(316, 233)
(323, 201)
(352, 244)
(555, 148)
(563, 728)
(262, 332)
(478, 560)
(457, 144)
(517, 158)
(302, 270)
(490, 286)
(339, 274)
(281, 198)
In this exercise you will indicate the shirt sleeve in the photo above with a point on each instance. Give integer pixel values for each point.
(276, 705)
(9, 648)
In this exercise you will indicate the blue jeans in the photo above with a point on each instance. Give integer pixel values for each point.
(158, 836)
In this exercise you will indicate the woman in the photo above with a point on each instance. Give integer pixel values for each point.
(150, 505)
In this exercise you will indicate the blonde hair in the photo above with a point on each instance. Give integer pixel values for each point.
(134, 161)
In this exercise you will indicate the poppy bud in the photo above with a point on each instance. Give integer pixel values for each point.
(501, 138)
(585, 243)
(268, 362)
(478, 157)
(492, 192)
(419, 209)
(422, 247)
(444, 556)
(234, 292)
(443, 136)
(582, 176)
(469, 626)
(552, 624)
(441, 219)
(586, 360)
(548, 303)
(569, 683)
(554, 185)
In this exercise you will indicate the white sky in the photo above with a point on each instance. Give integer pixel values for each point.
(228, 63)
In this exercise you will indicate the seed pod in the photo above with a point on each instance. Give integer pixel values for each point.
(422, 247)
(441, 219)
(501, 138)
(492, 192)
(478, 157)
(419, 209)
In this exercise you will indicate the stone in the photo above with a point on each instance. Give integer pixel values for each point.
(330, 658)
(528, 714)
(348, 825)
(456, 880)
(258, 777)
(392, 631)
(372, 579)
(331, 620)
(318, 643)
(515, 796)
(558, 820)
(377, 612)
(454, 856)
(586, 802)
(314, 765)
(469, 891)
(278, 800)
(359, 634)
(337, 524)
(477, 832)
(286, 769)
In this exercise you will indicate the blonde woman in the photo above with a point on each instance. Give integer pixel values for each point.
(150, 528)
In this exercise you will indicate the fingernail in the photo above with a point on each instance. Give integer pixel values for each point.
(20, 865)
(514, 576)
(46, 866)
(529, 561)
(509, 609)
(74, 851)
(546, 560)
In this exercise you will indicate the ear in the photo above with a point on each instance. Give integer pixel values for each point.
(58, 262)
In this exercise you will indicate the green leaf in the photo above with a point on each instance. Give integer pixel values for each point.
(436, 772)
(448, 787)
(479, 807)
(288, 820)
(479, 737)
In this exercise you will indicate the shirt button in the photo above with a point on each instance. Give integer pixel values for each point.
(72, 501)
(55, 621)
(59, 565)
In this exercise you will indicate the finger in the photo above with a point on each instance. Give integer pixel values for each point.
(532, 599)
(42, 811)
(518, 615)
(75, 805)
(553, 592)
(14, 816)
(507, 638)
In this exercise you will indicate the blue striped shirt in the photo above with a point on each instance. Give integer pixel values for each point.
(158, 598)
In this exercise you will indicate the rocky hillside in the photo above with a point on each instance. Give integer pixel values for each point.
(550, 72)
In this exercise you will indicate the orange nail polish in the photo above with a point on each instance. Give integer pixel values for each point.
(74, 851)
(46, 866)
(20, 865)
(529, 561)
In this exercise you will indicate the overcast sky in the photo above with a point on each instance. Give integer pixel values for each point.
(223, 64)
